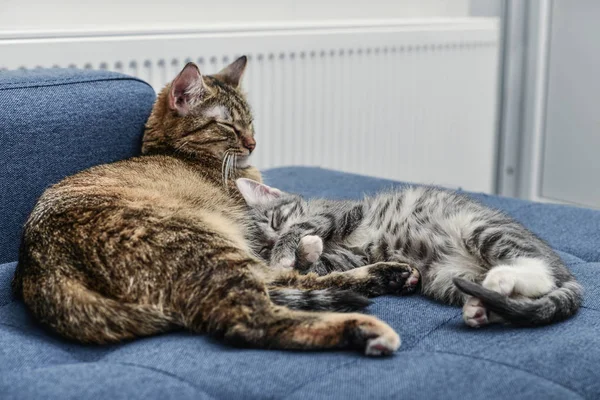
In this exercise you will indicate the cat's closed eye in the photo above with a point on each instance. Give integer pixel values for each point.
(264, 252)
(229, 126)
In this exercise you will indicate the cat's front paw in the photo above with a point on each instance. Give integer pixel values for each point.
(412, 282)
(310, 248)
(394, 277)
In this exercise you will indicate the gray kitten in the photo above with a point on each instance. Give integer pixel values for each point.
(465, 253)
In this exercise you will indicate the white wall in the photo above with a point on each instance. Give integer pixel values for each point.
(36, 15)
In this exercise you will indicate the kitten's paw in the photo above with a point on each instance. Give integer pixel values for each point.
(501, 280)
(392, 277)
(374, 337)
(310, 248)
(475, 314)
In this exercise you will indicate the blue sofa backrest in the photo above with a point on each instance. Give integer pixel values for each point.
(56, 122)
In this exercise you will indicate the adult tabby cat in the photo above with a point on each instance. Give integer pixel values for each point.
(156, 242)
(454, 242)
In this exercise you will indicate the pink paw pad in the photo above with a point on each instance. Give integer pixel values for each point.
(411, 283)
(474, 313)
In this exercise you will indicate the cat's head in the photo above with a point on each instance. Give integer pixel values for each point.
(203, 117)
(271, 211)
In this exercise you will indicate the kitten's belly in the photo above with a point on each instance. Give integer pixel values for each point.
(420, 246)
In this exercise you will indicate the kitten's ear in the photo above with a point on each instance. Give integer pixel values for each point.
(232, 74)
(256, 193)
(186, 88)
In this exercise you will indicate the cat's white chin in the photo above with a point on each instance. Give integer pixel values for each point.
(242, 162)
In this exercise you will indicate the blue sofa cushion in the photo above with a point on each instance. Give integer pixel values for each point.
(56, 122)
(440, 357)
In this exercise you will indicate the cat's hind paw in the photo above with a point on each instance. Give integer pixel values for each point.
(475, 314)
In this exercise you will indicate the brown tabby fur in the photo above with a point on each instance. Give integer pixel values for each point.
(156, 242)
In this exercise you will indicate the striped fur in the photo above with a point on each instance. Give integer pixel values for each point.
(444, 234)
(553, 307)
(319, 300)
(154, 243)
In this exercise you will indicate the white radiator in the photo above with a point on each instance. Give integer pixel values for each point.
(401, 99)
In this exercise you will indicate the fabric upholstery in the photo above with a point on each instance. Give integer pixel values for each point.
(440, 357)
(56, 122)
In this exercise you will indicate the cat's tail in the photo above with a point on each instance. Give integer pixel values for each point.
(68, 307)
(319, 300)
(557, 305)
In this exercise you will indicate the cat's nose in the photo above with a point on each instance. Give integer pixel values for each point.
(249, 143)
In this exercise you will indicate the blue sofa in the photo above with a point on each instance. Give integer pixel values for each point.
(56, 122)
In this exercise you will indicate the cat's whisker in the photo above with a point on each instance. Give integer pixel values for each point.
(225, 170)
(223, 164)
(227, 166)
(230, 166)
(226, 178)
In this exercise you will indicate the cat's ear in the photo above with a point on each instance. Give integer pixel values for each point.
(232, 74)
(256, 193)
(186, 89)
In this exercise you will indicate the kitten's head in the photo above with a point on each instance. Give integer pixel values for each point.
(203, 116)
(271, 211)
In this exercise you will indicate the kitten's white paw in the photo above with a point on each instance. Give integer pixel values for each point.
(474, 313)
(284, 263)
(501, 280)
(311, 248)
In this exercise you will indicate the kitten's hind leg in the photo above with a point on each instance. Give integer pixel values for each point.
(476, 315)
(523, 277)
(371, 280)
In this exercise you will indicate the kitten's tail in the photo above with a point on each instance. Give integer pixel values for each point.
(555, 306)
(319, 300)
